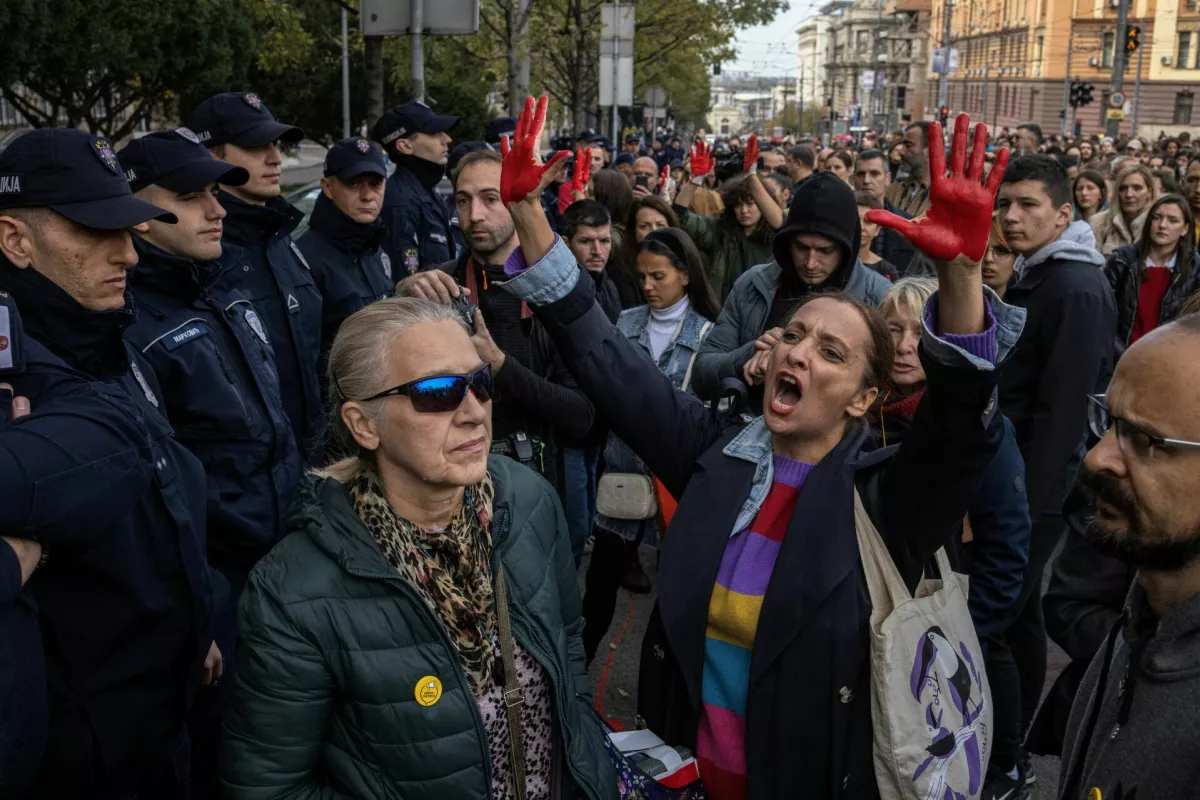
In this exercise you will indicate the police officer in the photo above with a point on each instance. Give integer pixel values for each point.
(417, 222)
(238, 129)
(117, 504)
(343, 244)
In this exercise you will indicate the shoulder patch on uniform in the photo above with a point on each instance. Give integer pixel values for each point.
(141, 379)
(252, 319)
(412, 260)
(177, 339)
(6, 350)
(300, 256)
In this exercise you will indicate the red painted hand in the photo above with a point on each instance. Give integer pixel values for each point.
(750, 157)
(960, 215)
(583, 170)
(523, 173)
(702, 160)
(663, 181)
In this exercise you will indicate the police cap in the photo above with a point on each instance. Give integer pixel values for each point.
(354, 156)
(499, 127)
(75, 174)
(239, 118)
(408, 118)
(177, 161)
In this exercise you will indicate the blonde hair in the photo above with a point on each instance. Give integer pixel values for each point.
(358, 367)
(706, 203)
(907, 296)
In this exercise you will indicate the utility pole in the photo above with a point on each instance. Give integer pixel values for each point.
(345, 76)
(616, 78)
(1137, 90)
(944, 78)
(983, 112)
(416, 58)
(1112, 127)
(1067, 88)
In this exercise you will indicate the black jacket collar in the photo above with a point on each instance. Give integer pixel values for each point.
(332, 222)
(181, 278)
(251, 224)
(426, 172)
(90, 341)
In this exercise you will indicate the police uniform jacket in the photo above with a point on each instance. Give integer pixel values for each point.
(125, 597)
(274, 277)
(348, 264)
(211, 354)
(418, 224)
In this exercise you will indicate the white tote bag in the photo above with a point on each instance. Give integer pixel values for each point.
(930, 701)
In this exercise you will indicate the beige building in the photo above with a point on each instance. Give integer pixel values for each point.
(1016, 56)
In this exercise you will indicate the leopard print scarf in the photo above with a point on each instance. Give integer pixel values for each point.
(450, 568)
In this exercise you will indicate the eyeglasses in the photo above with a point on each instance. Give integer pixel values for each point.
(1142, 442)
(439, 393)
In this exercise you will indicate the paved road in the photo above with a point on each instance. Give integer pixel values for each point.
(615, 669)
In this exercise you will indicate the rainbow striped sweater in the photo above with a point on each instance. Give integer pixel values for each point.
(733, 614)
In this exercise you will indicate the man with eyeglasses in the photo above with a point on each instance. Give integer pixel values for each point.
(1133, 725)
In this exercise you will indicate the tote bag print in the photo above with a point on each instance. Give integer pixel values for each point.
(930, 702)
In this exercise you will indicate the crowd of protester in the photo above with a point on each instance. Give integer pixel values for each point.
(305, 518)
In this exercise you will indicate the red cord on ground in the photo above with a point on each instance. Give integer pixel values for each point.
(602, 684)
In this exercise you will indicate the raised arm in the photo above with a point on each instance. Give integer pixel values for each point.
(666, 428)
(772, 213)
(967, 330)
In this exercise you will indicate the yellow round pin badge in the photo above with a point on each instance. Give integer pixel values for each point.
(428, 690)
(1094, 794)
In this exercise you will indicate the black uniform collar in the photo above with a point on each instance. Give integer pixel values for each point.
(90, 341)
(426, 172)
(183, 278)
(251, 224)
(331, 221)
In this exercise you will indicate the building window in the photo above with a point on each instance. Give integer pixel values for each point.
(901, 95)
(1183, 108)
(1106, 52)
(1184, 50)
(724, 127)
(862, 41)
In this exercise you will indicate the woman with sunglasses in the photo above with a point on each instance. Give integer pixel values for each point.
(758, 652)
(418, 632)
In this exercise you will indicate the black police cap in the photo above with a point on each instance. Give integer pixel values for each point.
(177, 161)
(497, 128)
(239, 118)
(460, 151)
(354, 156)
(75, 174)
(408, 118)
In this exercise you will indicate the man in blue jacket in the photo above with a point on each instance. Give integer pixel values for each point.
(238, 129)
(117, 505)
(343, 244)
(417, 222)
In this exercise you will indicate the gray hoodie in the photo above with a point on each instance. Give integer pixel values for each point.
(1138, 737)
(1077, 243)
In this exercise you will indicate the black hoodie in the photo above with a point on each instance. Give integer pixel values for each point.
(824, 204)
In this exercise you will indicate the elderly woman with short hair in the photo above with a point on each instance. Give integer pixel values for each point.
(375, 659)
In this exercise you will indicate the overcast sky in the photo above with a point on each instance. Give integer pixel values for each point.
(771, 49)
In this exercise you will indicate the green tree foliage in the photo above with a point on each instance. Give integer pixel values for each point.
(107, 65)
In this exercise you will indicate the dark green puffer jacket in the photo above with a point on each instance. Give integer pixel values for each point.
(333, 644)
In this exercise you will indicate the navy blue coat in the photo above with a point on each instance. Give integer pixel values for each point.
(417, 222)
(209, 351)
(272, 274)
(808, 717)
(126, 597)
(348, 264)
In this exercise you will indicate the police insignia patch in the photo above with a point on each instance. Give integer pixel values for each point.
(254, 101)
(104, 151)
(256, 325)
(412, 261)
(186, 133)
(363, 146)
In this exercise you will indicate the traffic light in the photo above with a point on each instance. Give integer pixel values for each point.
(1075, 87)
(1133, 38)
(943, 114)
(1085, 94)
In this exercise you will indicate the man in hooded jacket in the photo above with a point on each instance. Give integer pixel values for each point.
(816, 250)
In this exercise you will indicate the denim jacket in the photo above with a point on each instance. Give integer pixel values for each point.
(672, 362)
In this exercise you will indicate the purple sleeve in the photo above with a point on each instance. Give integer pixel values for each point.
(981, 345)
